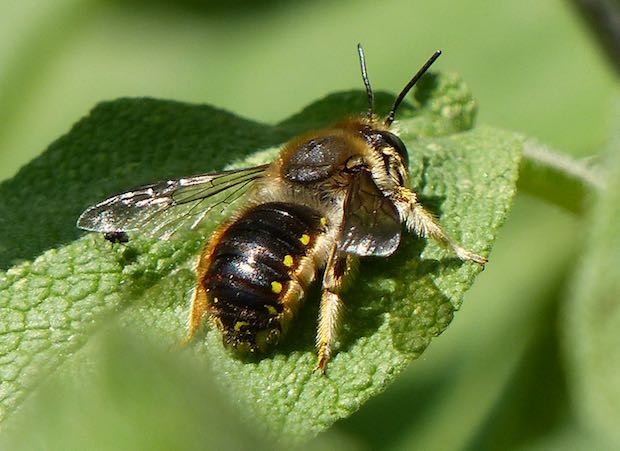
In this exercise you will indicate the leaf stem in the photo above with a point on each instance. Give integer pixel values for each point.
(558, 178)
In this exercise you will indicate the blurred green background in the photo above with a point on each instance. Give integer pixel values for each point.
(497, 378)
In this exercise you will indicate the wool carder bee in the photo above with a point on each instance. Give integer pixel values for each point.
(332, 195)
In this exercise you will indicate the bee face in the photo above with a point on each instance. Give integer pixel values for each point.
(390, 156)
(331, 196)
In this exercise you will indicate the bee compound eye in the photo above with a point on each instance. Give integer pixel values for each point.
(394, 141)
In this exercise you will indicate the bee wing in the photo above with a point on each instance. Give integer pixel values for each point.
(371, 224)
(161, 209)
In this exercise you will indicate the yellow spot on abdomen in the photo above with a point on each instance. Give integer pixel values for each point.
(276, 287)
(323, 221)
(288, 260)
(305, 239)
(271, 309)
(240, 324)
(216, 300)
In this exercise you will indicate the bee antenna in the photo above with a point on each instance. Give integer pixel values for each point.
(360, 52)
(403, 93)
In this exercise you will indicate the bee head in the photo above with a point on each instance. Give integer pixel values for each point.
(391, 149)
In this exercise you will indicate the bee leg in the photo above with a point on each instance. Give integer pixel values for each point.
(338, 265)
(425, 225)
(197, 312)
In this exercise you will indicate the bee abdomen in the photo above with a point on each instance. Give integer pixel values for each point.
(252, 267)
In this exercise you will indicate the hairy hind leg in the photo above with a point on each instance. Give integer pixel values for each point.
(338, 265)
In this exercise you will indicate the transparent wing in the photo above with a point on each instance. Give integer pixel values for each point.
(161, 209)
(371, 223)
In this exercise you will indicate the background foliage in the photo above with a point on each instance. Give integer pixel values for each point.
(512, 371)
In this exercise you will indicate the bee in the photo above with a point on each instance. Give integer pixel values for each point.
(331, 196)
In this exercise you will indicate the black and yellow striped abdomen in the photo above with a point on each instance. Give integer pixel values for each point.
(250, 280)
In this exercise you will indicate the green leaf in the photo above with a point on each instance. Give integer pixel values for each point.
(558, 178)
(53, 306)
(593, 315)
